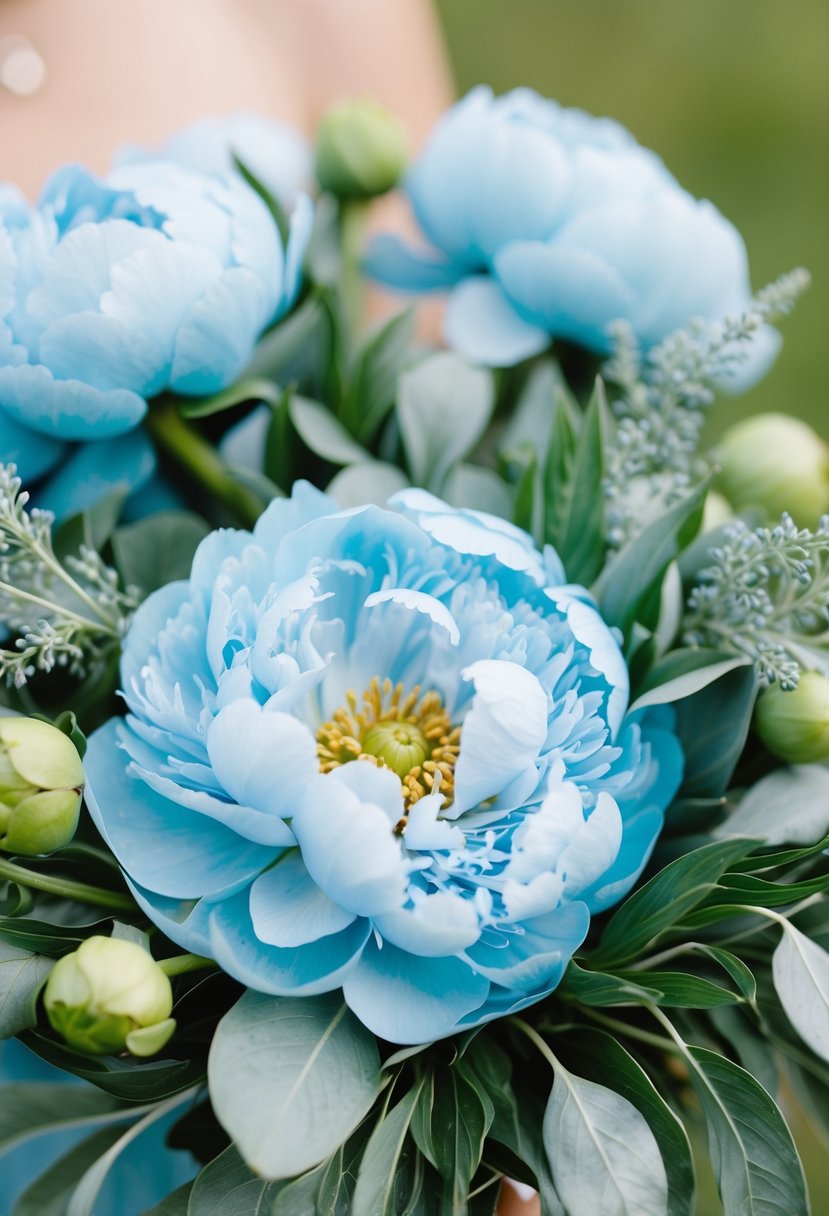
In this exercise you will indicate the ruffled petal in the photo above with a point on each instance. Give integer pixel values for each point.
(263, 759)
(481, 323)
(67, 409)
(287, 907)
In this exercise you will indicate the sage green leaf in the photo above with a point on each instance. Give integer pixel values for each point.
(757, 1167)
(177, 1203)
(800, 968)
(602, 1058)
(323, 433)
(681, 673)
(136, 1081)
(379, 1176)
(564, 432)
(753, 1049)
(578, 534)
(297, 350)
(339, 1175)
(742, 975)
(158, 549)
(597, 988)
(443, 406)
(290, 1078)
(789, 806)
(227, 1187)
(371, 481)
(478, 489)
(679, 990)
(238, 393)
(50, 1192)
(373, 382)
(711, 753)
(27, 1109)
(603, 1155)
(664, 900)
(22, 975)
(449, 1125)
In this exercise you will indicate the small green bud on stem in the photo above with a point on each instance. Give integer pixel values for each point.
(778, 464)
(361, 150)
(794, 725)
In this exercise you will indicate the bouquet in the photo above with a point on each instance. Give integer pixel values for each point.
(413, 761)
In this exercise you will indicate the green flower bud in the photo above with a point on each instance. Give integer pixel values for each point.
(361, 150)
(776, 463)
(41, 779)
(108, 996)
(795, 725)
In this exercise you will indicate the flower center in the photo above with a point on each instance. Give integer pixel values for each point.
(412, 735)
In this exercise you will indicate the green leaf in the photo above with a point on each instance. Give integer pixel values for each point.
(50, 1192)
(268, 198)
(22, 975)
(664, 900)
(323, 433)
(175, 1204)
(564, 432)
(736, 968)
(603, 1155)
(597, 988)
(443, 406)
(227, 1187)
(757, 1167)
(753, 1049)
(92, 527)
(376, 1191)
(601, 1058)
(290, 1078)
(478, 489)
(626, 586)
(296, 351)
(789, 806)
(135, 1081)
(800, 968)
(158, 549)
(373, 383)
(711, 753)
(681, 673)
(578, 535)
(239, 393)
(680, 990)
(449, 1126)
(339, 1175)
(27, 1109)
(372, 481)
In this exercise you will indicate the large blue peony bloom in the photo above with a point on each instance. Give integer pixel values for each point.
(386, 750)
(547, 222)
(114, 290)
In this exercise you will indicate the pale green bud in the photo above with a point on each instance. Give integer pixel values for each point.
(361, 150)
(795, 725)
(41, 780)
(108, 996)
(778, 464)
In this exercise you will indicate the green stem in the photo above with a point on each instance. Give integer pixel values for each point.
(533, 1035)
(181, 964)
(81, 621)
(353, 213)
(201, 460)
(66, 888)
(632, 1032)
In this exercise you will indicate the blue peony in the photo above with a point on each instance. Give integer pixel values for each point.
(547, 222)
(382, 750)
(113, 290)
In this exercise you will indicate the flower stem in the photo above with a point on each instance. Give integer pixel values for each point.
(201, 460)
(353, 214)
(66, 888)
(181, 964)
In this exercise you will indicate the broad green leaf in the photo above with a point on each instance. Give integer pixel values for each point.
(753, 1049)
(757, 1167)
(158, 549)
(681, 673)
(376, 1191)
(602, 1058)
(374, 379)
(578, 537)
(290, 1078)
(789, 806)
(21, 977)
(596, 988)
(27, 1109)
(678, 989)
(603, 1155)
(339, 1175)
(238, 393)
(801, 977)
(227, 1187)
(367, 482)
(629, 579)
(711, 753)
(296, 350)
(736, 968)
(564, 433)
(297, 1197)
(323, 433)
(135, 1081)
(664, 900)
(531, 420)
(50, 1192)
(175, 1204)
(478, 489)
(450, 1123)
(443, 406)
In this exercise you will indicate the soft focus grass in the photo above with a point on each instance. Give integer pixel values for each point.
(733, 94)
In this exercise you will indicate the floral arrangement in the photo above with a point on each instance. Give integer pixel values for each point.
(414, 763)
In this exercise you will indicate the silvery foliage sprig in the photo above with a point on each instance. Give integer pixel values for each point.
(62, 612)
(766, 595)
(660, 402)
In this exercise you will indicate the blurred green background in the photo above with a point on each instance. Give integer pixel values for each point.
(733, 94)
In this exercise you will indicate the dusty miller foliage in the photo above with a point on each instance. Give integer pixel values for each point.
(660, 401)
(59, 613)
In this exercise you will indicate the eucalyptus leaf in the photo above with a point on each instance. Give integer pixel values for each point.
(371, 481)
(789, 806)
(801, 977)
(177, 1203)
(158, 549)
(22, 975)
(443, 406)
(597, 988)
(754, 1051)
(757, 1167)
(228, 1187)
(27, 1109)
(603, 1155)
(339, 1175)
(681, 673)
(50, 1192)
(290, 1078)
(323, 433)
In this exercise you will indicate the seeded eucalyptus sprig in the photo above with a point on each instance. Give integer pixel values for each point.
(766, 594)
(60, 611)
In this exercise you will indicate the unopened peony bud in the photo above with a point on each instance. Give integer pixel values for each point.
(361, 150)
(41, 779)
(795, 725)
(108, 996)
(776, 463)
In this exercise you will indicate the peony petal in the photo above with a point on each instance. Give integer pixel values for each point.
(287, 907)
(483, 325)
(263, 759)
(67, 409)
(437, 925)
(96, 469)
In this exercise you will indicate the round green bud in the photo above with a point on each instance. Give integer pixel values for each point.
(109, 996)
(360, 151)
(795, 725)
(778, 464)
(41, 781)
